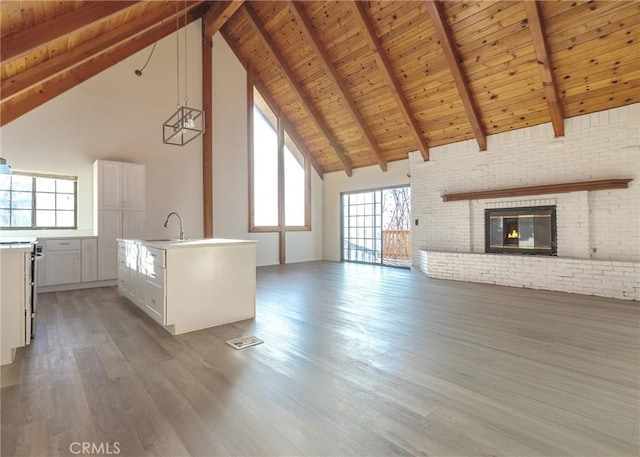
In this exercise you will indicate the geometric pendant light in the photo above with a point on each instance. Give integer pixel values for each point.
(186, 124)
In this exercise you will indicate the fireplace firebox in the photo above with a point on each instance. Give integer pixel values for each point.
(528, 230)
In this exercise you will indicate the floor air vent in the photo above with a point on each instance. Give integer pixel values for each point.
(244, 342)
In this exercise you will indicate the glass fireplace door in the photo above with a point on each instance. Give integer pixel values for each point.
(530, 230)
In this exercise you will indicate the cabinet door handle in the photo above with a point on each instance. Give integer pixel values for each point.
(152, 255)
(63, 244)
(152, 300)
(152, 275)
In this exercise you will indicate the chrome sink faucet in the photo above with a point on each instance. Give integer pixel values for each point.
(181, 237)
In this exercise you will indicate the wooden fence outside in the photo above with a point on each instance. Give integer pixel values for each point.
(396, 244)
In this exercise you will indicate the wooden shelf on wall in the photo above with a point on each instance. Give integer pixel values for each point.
(602, 184)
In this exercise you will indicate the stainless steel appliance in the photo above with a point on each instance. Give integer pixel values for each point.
(36, 254)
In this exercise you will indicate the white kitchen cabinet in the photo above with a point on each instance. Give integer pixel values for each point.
(89, 253)
(131, 263)
(130, 279)
(141, 278)
(109, 230)
(123, 277)
(119, 202)
(119, 186)
(113, 225)
(155, 297)
(63, 267)
(67, 261)
(108, 176)
(133, 187)
(132, 224)
(64, 262)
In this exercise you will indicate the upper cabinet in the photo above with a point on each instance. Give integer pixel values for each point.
(119, 186)
(132, 187)
(109, 185)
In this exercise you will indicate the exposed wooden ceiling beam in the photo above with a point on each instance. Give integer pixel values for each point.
(536, 27)
(79, 55)
(315, 115)
(289, 128)
(12, 109)
(439, 21)
(360, 11)
(218, 14)
(27, 40)
(307, 29)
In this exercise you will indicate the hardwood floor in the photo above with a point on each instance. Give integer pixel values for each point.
(357, 360)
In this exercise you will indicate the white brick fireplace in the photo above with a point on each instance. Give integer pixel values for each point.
(598, 232)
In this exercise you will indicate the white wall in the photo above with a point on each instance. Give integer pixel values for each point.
(230, 164)
(601, 225)
(306, 246)
(117, 115)
(372, 177)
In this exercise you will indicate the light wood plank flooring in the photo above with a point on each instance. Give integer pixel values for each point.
(357, 360)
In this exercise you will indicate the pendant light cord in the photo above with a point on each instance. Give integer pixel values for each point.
(186, 79)
(177, 55)
(138, 72)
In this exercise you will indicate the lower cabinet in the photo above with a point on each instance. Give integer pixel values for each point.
(63, 262)
(67, 261)
(141, 279)
(89, 254)
(153, 279)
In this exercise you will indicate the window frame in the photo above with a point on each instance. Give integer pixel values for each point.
(280, 131)
(34, 225)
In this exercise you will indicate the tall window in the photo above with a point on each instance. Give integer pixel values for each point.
(279, 174)
(36, 201)
(265, 171)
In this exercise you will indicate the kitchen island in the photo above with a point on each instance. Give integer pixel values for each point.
(16, 289)
(189, 285)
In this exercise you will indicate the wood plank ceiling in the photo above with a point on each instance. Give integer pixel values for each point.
(357, 83)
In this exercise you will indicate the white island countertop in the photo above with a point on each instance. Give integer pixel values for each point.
(189, 243)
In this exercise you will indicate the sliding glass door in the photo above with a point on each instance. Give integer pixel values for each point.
(362, 227)
(376, 226)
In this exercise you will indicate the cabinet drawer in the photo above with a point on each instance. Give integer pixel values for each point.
(154, 275)
(63, 245)
(122, 247)
(154, 304)
(123, 280)
(152, 255)
(122, 261)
